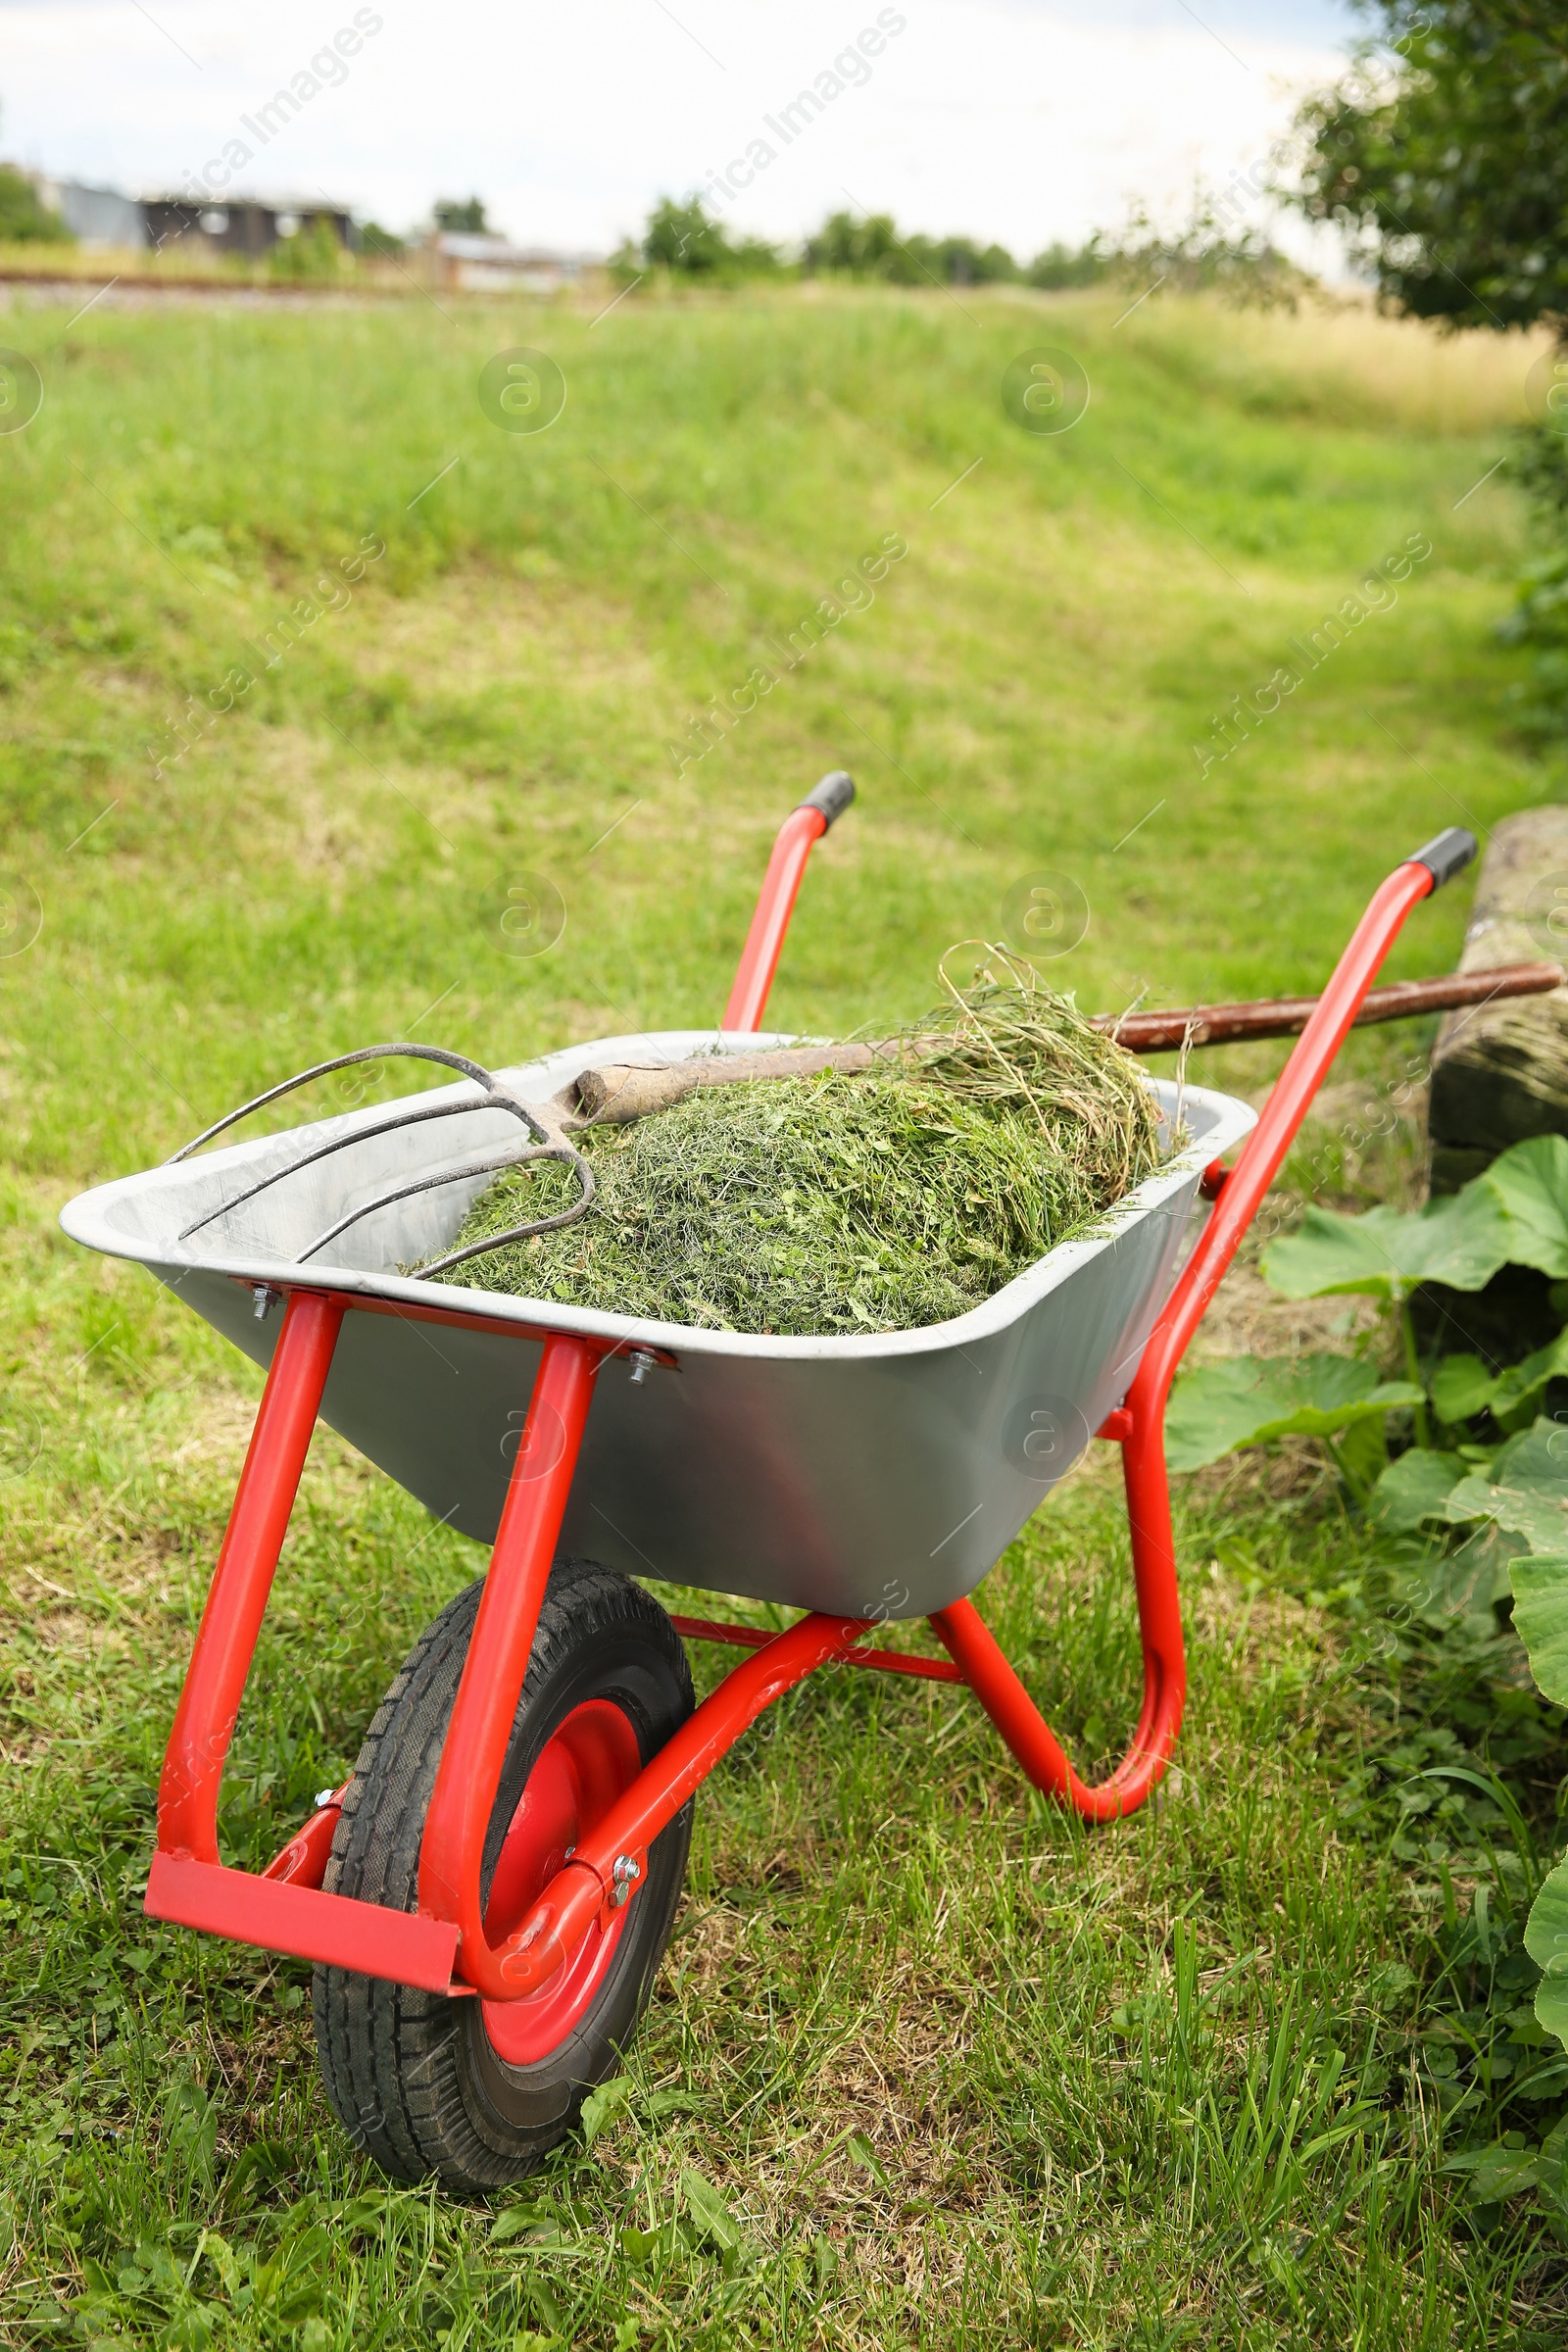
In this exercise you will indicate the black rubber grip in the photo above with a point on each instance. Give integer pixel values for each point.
(832, 795)
(1447, 854)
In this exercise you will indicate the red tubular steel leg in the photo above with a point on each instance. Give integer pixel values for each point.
(284, 1910)
(209, 1704)
(469, 1772)
(748, 999)
(1141, 1427)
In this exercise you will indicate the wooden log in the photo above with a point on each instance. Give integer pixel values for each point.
(1499, 1071)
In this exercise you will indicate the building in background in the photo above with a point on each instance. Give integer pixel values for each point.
(243, 228)
(93, 216)
(460, 260)
(466, 263)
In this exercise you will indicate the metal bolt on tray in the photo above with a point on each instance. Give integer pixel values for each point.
(486, 1897)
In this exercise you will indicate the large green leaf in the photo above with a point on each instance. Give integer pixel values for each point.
(1521, 1383)
(1241, 1403)
(1546, 1942)
(1469, 1581)
(1539, 1582)
(1530, 1184)
(1416, 1487)
(1496, 2171)
(1525, 1490)
(1462, 1386)
(1460, 1240)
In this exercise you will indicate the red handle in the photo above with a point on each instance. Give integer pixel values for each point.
(1248, 1180)
(803, 826)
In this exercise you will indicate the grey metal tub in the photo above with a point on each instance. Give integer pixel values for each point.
(877, 1476)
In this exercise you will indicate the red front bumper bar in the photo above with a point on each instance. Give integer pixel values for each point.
(443, 1946)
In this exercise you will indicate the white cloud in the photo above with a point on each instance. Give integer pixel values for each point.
(1018, 122)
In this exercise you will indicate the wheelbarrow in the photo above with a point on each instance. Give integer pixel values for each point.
(487, 1896)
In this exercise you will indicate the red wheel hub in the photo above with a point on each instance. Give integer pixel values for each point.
(587, 1763)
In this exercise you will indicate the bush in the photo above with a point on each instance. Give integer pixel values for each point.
(314, 256)
(24, 221)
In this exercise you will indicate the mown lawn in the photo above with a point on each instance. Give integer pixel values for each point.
(963, 2073)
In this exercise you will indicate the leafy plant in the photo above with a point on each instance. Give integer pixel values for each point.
(1248, 1400)
(1515, 1213)
(1506, 1496)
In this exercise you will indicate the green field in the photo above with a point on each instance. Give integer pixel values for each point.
(963, 2073)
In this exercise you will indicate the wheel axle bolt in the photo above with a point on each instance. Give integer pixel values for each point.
(626, 1872)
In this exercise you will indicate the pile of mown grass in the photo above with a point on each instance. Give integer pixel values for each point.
(881, 1202)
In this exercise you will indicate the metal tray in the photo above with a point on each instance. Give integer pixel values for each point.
(876, 1476)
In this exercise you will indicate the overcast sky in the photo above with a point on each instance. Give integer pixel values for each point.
(1019, 120)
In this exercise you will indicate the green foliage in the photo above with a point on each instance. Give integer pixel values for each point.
(313, 255)
(689, 242)
(1061, 266)
(24, 221)
(1463, 1386)
(1438, 156)
(800, 1205)
(1539, 622)
(1540, 1582)
(1207, 254)
(467, 218)
(1511, 1499)
(1460, 1240)
(869, 245)
(1247, 1400)
(1546, 1942)
(999, 1126)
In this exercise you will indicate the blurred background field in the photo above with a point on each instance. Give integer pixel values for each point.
(964, 2075)
(528, 664)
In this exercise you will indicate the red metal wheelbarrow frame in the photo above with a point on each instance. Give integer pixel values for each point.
(443, 1946)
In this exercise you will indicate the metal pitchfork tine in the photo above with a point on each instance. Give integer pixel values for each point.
(548, 1145)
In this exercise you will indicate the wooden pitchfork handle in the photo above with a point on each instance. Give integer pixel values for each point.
(621, 1092)
(1287, 1016)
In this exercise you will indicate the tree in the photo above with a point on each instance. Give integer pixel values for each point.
(686, 240)
(871, 247)
(1440, 158)
(462, 219)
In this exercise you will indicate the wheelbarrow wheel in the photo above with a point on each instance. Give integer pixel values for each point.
(476, 2092)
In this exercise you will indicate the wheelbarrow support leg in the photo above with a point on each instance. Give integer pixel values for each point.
(188, 1883)
(1140, 1425)
(209, 1703)
(968, 1640)
(451, 1858)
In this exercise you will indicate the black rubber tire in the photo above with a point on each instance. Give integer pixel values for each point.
(412, 2076)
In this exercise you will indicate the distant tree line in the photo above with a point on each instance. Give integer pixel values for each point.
(686, 241)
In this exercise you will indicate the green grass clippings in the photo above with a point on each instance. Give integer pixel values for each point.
(874, 1203)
